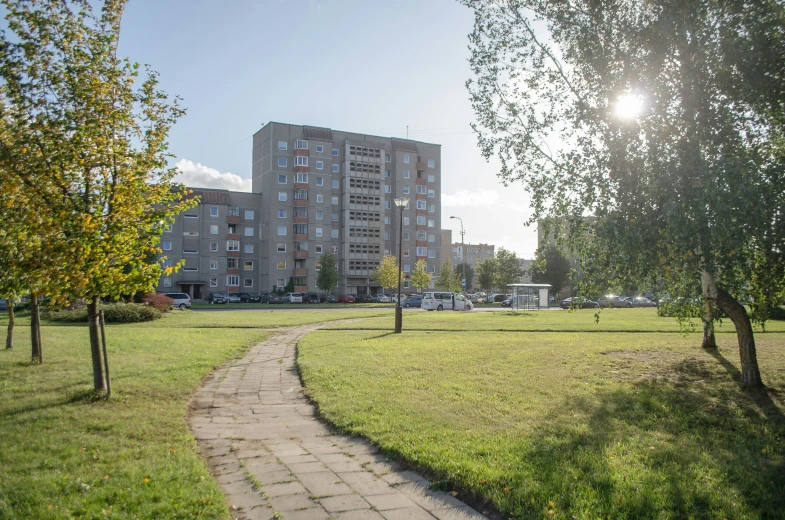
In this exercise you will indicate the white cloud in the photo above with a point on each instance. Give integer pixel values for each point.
(199, 176)
(466, 198)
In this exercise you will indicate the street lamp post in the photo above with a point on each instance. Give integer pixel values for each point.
(463, 250)
(401, 203)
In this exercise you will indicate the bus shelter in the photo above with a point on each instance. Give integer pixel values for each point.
(529, 296)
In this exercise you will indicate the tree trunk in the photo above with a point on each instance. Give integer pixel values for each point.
(9, 339)
(750, 374)
(99, 383)
(709, 342)
(35, 331)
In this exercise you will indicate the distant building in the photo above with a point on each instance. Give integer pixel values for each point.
(446, 253)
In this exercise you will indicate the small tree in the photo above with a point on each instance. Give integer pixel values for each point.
(486, 272)
(328, 276)
(387, 273)
(551, 267)
(420, 277)
(508, 269)
(459, 270)
(447, 280)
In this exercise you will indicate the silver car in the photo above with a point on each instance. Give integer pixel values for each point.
(181, 300)
(292, 297)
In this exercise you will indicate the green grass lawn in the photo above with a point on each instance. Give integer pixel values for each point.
(64, 454)
(563, 424)
(627, 320)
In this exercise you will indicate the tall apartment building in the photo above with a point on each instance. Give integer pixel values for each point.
(314, 190)
(328, 190)
(472, 254)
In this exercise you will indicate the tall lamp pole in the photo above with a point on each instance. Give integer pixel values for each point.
(401, 203)
(463, 249)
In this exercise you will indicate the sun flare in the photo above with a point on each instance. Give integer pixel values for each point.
(628, 106)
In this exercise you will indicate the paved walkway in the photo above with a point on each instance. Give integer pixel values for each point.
(275, 459)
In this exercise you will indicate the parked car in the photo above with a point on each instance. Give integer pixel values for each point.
(217, 298)
(332, 299)
(412, 301)
(497, 298)
(312, 298)
(381, 298)
(363, 298)
(233, 298)
(618, 302)
(345, 298)
(249, 298)
(507, 302)
(641, 301)
(274, 298)
(445, 301)
(477, 297)
(264, 297)
(579, 303)
(181, 300)
(292, 297)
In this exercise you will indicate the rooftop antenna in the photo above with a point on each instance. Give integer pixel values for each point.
(407, 131)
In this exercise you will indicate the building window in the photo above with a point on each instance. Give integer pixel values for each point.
(167, 282)
(387, 235)
(281, 231)
(405, 251)
(190, 216)
(406, 158)
(300, 194)
(282, 145)
(282, 162)
(301, 160)
(431, 237)
(431, 208)
(248, 249)
(420, 220)
(319, 214)
(248, 231)
(336, 185)
(422, 251)
(281, 282)
(431, 177)
(213, 211)
(281, 213)
(281, 196)
(405, 236)
(405, 189)
(405, 221)
(213, 246)
(421, 204)
(406, 268)
(431, 164)
(431, 253)
(431, 194)
(301, 229)
(387, 188)
(319, 232)
(421, 235)
(421, 189)
(387, 204)
(248, 282)
(431, 222)
(281, 248)
(301, 178)
(318, 249)
(334, 233)
(249, 214)
(281, 264)
(301, 212)
(334, 250)
(319, 148)
(213, 264)
(301, 144)
(334, 217)
(213, 229)
(214, 282)
(386, 220)
(387, 174)
(319, 198)
(168, 228)
(335, 152)
(431, 267)
(319, 165)
(336, 168)
(318, 266)
(282, 179)
(406, 174)
(233, 280)
(231, 228)
(233, 245)
(320, 181)
(248, 265)
(231, 263)
(387, 158)
(167, 245)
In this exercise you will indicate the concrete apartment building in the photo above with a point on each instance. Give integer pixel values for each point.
(314, 190)
(473, 255)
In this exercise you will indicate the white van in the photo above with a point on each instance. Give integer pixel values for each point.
(445, 301)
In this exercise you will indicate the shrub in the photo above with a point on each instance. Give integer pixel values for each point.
(777, 313)
(113, 313)
(159, 301)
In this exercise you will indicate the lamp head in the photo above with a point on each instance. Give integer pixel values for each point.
(453, 217)
(401, 202)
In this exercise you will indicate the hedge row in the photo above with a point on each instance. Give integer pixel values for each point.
(113, 313)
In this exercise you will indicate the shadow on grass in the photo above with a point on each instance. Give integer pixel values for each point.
(80, 397)
(693, 445)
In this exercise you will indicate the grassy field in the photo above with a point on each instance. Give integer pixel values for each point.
(611, 320)
(581, 424)
(65, 454)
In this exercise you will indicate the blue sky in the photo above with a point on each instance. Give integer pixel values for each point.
(361, 66)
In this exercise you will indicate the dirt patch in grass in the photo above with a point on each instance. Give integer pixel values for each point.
(674, 368)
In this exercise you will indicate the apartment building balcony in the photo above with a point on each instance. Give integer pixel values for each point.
(232, 219)
(300, 272)
(301, 185)
(421, 181)
(299, 255)
(301, 169)
(301, 288)
(421, 243)
(233, 254)
(300, 220)
(232, 236)
(302, 238)
(300, 202)
(421, 166)
(298, 151)
(233, 271)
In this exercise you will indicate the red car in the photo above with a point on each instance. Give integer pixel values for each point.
(346, 298)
